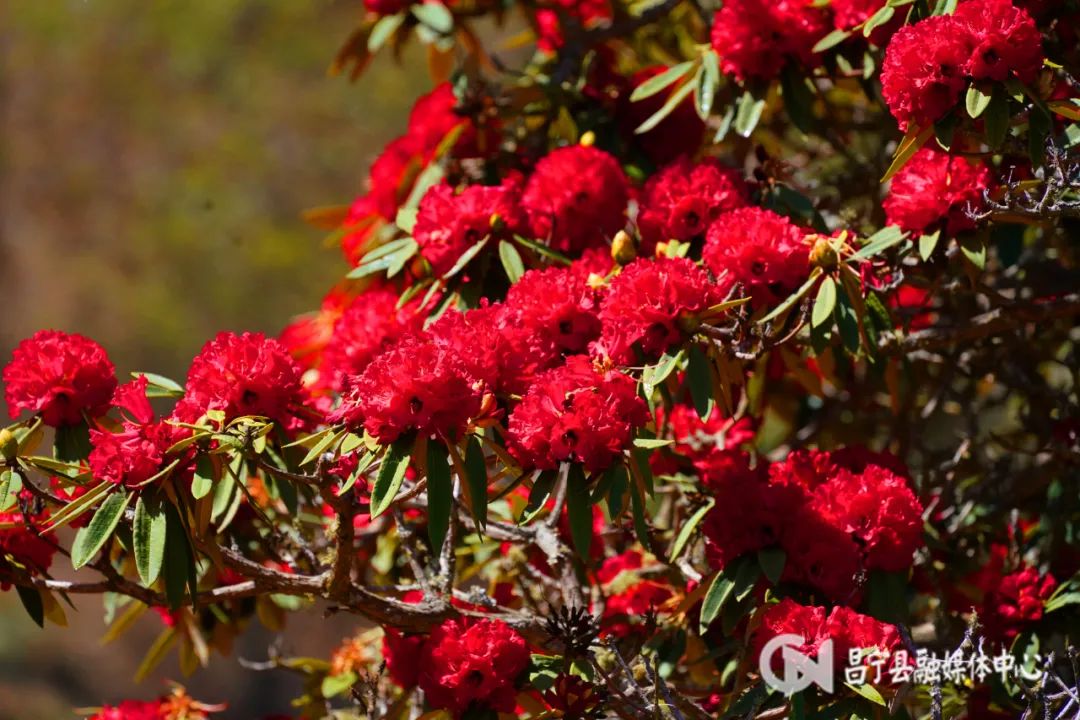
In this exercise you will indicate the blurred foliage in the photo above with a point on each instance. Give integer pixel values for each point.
(147, 151)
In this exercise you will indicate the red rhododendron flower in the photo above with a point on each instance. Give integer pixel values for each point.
(615, 565)
(759, 249)
(450, 223)
(924, 71)
(23, 543)
(696, 438)
(848, 14)
(557, 309)
(755, 38)
(1014, 601)
(63, 377)
(247, 374)
(576, 198)
(417, 384)
(472, 664)
(934, 186)
(307, 335)
(576, 413)
(131, 710)
(679, 133)
(136, 452)
(655, 305)
(372, 322)
(682, 200)
(1005, 42)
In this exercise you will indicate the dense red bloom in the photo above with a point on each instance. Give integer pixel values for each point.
(136, 452)
(576, 198)
(416, 384)
(23, 543)
(682, 200)
(370, 324)
(655, 305)
(448, 224)
(924, 71)
(131, 710)
(763, 251)
(472, 664)
(247, 374)
(557, 309)
(679, 133)
(845, 627)
(749, 514)
(1014, 601)
(934, 186)
(878, 509)
(847, 14)
(755, 38)
(587, 12)
(696, 438)
(491, 347)
(615, 565)
(576, 413)
(63, 377)
(1005, 42)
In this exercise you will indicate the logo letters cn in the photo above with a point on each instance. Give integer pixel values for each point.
(800, 670)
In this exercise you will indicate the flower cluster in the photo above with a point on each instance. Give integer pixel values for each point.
(929, 64)
(756, 38)
(934, 187)
(23, 544)
(835, 515)
(764, 252)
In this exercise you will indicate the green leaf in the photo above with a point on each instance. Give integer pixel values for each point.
(976, 101)
(825, 302)
(746, 576)
(672, 102)
(392, 471)
(944, 129)
(440, 491)
(336, 684)
(793, 298)
(974, 250)
(658, 82)
(327, 439)
(651, 443)
(869, 692)
(72, 442)
(771, 561)
(476, 474)
(538, 495)
(831, 40)
(708, 83)
(90, 539)
(880, 241)
(747, 114)
(882, 16)
(996, 122)
(927, 244)
(148, 535)
(384, 28)
(699, 377)
(179, 564)
(159, 385)
(467, 257)
(798, 98)
(579, 511)
(406, 219)
(31, 600)
(1039, 126)
(687, 530)
(434, 15)
(725, 124)
(637, 506)
(392, 254)
(203, 481)
(910, 145)
(847, 321)
(1060, 601)
(10, 486)
(511, 261)
(542, 250)
(663, 368)
(720, 590)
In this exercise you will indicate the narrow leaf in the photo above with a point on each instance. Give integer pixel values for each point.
(825, 302)
(148, 535)
(699, 377)
(90, 539)
(31, 600)
(511, 261)
(434, 15)
(687, 530)
(771, 561)
(668, 107)
(793, 298)
(384, 28)
(476, 474)
(392, 471)
(976, 101)
(579, 511)
(996, 122)
(440, 493)
(658, 82)
(715, 597)
(203, 481)
(10, 485)
(831, 40)
(747, 114)
(910, 145)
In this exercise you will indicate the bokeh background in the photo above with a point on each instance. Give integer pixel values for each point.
(155, 158)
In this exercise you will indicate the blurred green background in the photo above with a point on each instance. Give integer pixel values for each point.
(154, 161)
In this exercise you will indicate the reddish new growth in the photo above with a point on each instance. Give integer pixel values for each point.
(417, 384)
(684, 199)
(929, 64)
(764, 252)
(576, 413)
(136, 452)
(247, 374)
(756, 38)
(472, 664)
(653, 305)
(450, 223)
(934, 186)
(60, 376)
(576, 198)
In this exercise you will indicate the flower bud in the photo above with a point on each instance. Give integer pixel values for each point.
(823, 252)
(623, 251)
(9, 444)
(588, 139)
